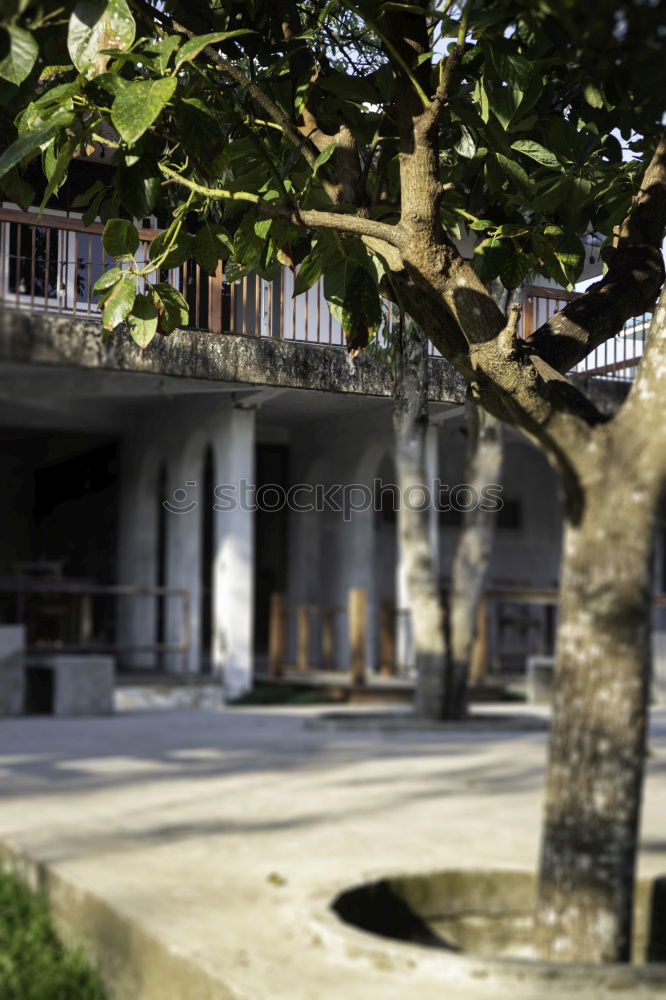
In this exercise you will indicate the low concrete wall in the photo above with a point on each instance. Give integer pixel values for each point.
(132, 963)
(12, 669)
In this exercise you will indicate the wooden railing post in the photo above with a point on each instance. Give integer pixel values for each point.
(479, 659)
(327, 623)
(387, 637)
(276, 635)
(303, 639)
(358, 628)
(215, 300)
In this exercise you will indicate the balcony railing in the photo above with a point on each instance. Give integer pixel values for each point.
(53, 264)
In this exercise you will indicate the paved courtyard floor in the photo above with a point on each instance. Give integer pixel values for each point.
(198, 851)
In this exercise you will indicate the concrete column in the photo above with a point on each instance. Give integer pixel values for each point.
(136, 617)
(183, 551)
(355, 540)
(432, 472)
(404, 650)
(233, 565)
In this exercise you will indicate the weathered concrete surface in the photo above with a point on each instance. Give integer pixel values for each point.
(50, 339)
(199, 851)
(12, 669)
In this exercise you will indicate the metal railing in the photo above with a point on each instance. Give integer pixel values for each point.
(617, 358)
(53, 264)
(81, 621)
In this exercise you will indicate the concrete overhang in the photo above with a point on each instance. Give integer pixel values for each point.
(194, 360)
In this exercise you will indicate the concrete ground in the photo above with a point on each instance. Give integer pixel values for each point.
(197, 852)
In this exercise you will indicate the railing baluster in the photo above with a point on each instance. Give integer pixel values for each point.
(47, 268)
(32, 266)
(18, 264)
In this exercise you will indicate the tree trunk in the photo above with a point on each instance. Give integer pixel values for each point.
(595, 768)
(483, 466)
(410, 420)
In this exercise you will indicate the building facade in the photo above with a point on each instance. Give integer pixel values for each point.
(160, 499)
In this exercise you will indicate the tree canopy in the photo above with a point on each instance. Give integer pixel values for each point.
(270, 134)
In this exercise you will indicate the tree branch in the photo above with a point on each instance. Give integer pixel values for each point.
(312, 218)
(272, 109)
(343, 223)
(447, 70)
(630, 288)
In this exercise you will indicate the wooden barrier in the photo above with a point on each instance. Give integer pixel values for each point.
(304, 615)
(358, 627)
(277, 635)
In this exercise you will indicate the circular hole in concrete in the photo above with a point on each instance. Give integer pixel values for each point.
(484, 913)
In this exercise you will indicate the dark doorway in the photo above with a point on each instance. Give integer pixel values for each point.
(270, 559)
(206, 562)
(75, 505)
(39, 691)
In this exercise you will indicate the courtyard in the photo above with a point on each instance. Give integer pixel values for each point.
(196, 853)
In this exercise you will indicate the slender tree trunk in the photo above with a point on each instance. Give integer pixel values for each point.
(410, 420)
(597, 743)
(470, 564)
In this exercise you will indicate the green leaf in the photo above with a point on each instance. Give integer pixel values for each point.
(571, 254)
(466, 144)
(515, 269)
(191, 49)
(136, 108)
(142, 320)
(139, 188)
(59, 172)
(325, 155)
(516, 174)
(86, 196)
(549, 264)
(362, 315)
(211, 244)
(537, 152)
(309, 272)
(181, 251)
(20, 59)
(120, 239)
(262, 227)
(593, 95)
(172, 309)
(119, 302)
(17, 190)
(93, 209)
(107, 280)
(95, 25)
(489, 257)
(473, 222)
(165, 50)
(28, 144)
(353, 300)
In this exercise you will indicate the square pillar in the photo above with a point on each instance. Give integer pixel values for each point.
(233, 565)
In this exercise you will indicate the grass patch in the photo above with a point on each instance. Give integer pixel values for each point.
(285, 694)
(33, 963)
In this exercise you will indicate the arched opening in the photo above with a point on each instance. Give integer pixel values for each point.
(206, 562)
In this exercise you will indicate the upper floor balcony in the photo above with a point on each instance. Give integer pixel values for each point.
(52, 266)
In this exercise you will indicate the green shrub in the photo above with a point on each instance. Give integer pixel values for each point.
(33, 963)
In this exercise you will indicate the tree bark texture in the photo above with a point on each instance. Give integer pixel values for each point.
(483, 466)
(410, 419)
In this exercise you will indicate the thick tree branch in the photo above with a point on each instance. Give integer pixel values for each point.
(630, 288)
(641, 415)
